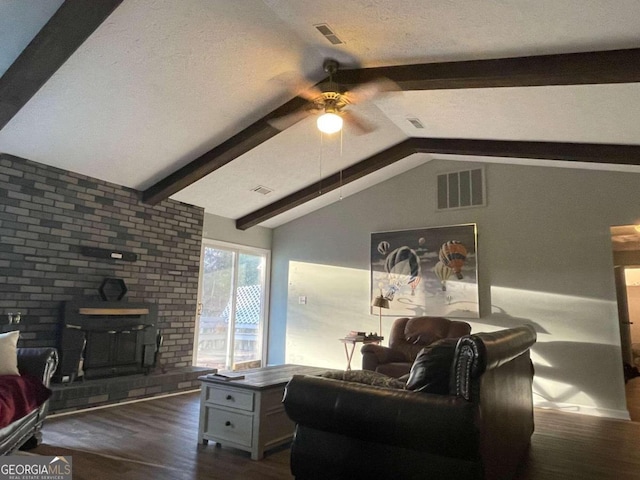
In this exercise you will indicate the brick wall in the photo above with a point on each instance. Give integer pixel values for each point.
(47, 214)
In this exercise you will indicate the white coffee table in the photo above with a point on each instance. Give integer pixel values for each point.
(248, 414)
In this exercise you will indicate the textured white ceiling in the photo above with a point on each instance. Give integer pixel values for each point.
(574, 113)
(161, 82)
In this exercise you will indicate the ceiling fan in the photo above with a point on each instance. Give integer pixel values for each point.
(328, 101)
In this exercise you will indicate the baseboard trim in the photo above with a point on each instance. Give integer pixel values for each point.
(584, 410)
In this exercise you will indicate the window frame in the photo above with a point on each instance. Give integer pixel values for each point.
(237, 249)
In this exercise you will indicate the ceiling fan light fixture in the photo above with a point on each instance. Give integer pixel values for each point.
(329, 123)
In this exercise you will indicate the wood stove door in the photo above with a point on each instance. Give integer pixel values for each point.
(128, 348)
(112, 350)
(98, 350)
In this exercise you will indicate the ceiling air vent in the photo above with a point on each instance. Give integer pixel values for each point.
(262, 190)
(329, 34)
(415, 122)
(461, 189)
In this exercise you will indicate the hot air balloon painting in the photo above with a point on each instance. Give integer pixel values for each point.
(443, 273)
(403, 267)
(453, 254)
(426, 271)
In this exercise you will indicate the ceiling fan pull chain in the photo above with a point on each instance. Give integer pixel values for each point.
(341, 162)
(320, 162)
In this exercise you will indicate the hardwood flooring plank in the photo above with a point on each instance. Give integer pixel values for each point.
(157, 439)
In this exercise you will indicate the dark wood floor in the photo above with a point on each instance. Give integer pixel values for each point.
(633, 398)
(157, 440)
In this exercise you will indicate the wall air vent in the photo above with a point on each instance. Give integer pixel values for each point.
(461, 189)
(262, 190)
(328, 33)
(415, 122)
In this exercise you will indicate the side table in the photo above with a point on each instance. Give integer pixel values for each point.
(350, 346)
(248, 414)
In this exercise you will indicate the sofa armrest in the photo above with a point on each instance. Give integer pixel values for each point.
(476, 354)
(438, 424)
(39, 362)
(374, 355)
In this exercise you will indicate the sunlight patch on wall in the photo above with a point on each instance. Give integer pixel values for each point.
(337, 301)
(571, 316)
(572, 331)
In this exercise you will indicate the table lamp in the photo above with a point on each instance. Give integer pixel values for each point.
(381, 302)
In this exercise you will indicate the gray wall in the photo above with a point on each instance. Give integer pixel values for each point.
(544, 257)
(224, 229)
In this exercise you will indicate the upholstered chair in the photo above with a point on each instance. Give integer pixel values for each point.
(408, 336)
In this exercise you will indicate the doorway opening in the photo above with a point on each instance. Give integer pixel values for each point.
(626, 253)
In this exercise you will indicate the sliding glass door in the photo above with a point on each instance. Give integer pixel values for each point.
(232, 307)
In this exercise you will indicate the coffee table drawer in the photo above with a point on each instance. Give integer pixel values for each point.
(230, 398)
(230, 426)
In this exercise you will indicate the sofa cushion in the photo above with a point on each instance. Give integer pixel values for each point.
(20, 395)
(8, 353)
(431, 369)
(364, 376)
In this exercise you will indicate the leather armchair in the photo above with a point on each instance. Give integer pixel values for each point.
(481, 429)
(408, 336)
(41, 363)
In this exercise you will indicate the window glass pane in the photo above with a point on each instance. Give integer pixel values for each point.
(215, 295)
(249, 309)
(232, 311)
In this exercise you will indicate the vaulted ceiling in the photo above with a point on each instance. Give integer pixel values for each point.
(173, 98)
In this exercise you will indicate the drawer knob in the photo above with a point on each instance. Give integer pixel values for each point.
(229, 397)
(227, 423)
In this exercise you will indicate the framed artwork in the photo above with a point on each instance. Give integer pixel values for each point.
(426, 271)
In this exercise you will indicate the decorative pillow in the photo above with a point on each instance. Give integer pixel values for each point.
(367, 377)
(8, 353)
(431, 369)
(20, 395)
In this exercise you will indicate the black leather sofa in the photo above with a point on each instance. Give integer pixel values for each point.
(481, 429)
(41, 363)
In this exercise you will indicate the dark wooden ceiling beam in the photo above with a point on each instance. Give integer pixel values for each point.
(610, 66)
(564, 151)
(613, 66)
(326, 185)
(575, 152)
(65, 31)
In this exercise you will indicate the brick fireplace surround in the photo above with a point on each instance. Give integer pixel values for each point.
(46, 216)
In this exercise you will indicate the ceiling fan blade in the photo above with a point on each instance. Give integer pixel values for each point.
(358, 125)
(369, 90)
(298, 85)
(309, 93)
(286, 121)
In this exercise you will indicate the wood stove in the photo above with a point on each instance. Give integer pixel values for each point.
(107, 338)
